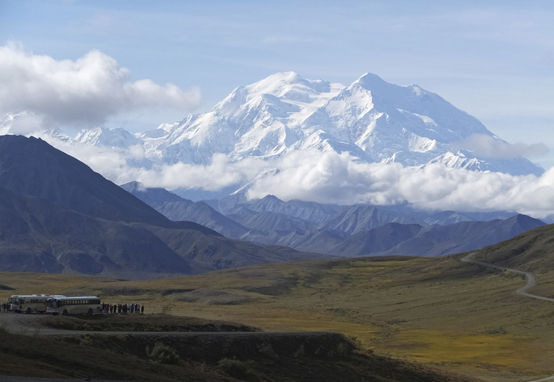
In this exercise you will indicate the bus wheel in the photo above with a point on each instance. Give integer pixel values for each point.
(89, 311)
(28, 311)
(64, 313)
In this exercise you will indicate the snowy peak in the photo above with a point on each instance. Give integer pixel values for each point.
(289, 86)
(421, 111)
(28, 124)
(101, 136)
(373, 82)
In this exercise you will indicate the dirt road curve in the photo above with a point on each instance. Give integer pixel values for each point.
(531, 282)
(545, 379)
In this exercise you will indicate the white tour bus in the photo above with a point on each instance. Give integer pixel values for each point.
(73, 305)
(30, 303)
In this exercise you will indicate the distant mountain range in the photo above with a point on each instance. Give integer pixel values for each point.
(57, 215)
(342, 231)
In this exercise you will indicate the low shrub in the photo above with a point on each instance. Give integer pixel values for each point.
(161, 353)
(496, 331)
(267, 350)
(300, 352)
(233, 367)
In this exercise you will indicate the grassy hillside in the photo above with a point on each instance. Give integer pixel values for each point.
(440, 312)
(531, 251)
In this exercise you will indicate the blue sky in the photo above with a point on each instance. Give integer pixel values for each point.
(493, 59)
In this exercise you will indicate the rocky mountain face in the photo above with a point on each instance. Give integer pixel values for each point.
(178, 209)
(341, 231)
(57, 215)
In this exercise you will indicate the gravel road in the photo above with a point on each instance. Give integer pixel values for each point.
(531, 282)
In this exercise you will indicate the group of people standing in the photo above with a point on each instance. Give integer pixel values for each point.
(122, 309)
(5, 307)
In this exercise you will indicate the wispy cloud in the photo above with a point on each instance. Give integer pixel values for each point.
(486, 146)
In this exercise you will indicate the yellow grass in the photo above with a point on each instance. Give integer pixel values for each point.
(436, 311)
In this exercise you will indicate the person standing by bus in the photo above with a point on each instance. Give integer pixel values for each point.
(142, 309)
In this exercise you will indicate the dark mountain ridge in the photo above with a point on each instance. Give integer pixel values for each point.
(358, 230)
(435, 240)
(30, 166)
(40, 236)
(58, 215)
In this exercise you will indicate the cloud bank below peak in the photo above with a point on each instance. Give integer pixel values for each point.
(329, 177)
(84, 92)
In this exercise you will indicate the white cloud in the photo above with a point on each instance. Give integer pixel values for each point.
(333, 178)
(486, 146)
(336, 178)
(86, 91)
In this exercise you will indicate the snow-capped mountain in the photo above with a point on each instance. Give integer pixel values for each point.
(101, 136)
(372, 120)
(24, 123)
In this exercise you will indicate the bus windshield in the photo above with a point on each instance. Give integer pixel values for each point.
(53, 303)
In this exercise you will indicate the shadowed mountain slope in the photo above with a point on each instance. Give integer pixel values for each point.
(60, 216)
(30, 166)
(40, 236)
(363, 218)
(434, 240)
(179, 209)
(359, 230)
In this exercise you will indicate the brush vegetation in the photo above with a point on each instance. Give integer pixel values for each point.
(438, 312)
(326, 357)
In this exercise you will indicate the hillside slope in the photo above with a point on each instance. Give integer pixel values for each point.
(30, 166)
(40, 236)
(531, 251)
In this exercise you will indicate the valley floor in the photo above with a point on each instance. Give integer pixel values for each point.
(440, 312)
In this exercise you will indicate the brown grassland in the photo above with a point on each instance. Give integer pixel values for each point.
(437, 311)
